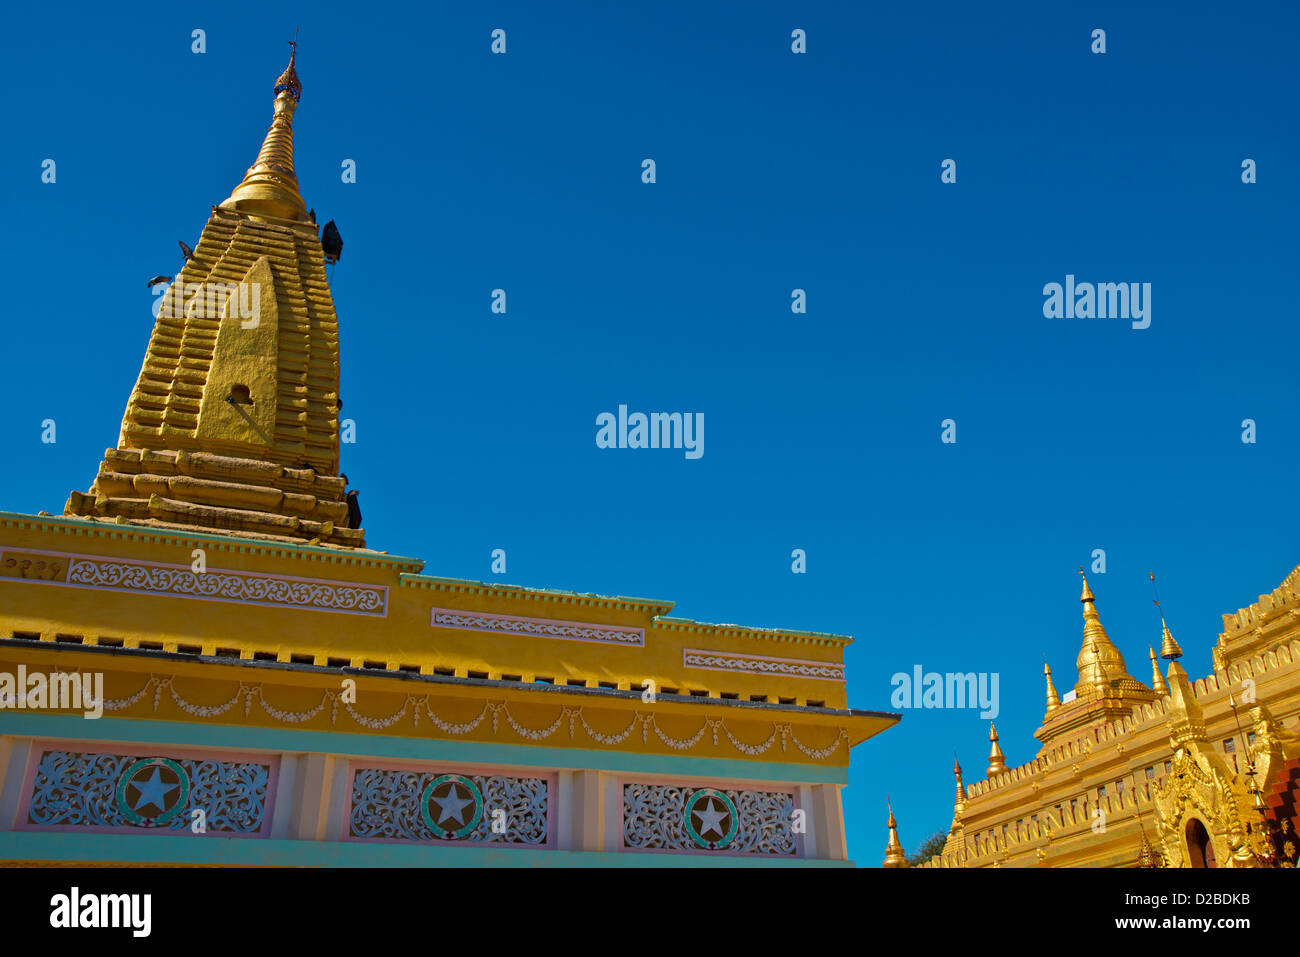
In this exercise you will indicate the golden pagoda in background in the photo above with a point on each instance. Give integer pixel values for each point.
(202, 663)
(1210, 768)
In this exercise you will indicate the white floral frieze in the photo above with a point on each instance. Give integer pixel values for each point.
(538, 627)
(248, 588)
(760, 665)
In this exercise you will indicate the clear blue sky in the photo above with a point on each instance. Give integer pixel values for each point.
(775, 171)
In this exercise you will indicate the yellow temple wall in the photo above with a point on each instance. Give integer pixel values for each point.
(749, 662)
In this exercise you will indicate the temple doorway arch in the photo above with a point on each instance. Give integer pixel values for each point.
(1200, 850)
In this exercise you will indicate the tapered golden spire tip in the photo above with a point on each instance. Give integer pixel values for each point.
(1053, 699)
(894, 856)
(270, 187)
(997, 761)
(1157, 680)
(288, 80)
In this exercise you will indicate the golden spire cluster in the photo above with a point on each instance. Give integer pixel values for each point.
(1104, 696)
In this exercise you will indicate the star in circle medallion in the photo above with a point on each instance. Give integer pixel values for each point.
(152, 791)
(452, 806)
(712, 820)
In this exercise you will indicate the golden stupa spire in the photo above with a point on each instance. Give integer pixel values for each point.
(233, 424)
(270, 187)
(1157, 680)
(1099, 662)
(959, 802)
(997, 762)
(894, 856)
(1053, 699)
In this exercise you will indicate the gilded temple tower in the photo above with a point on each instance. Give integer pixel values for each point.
(331, 704)
(233, 422)
(1186, 773)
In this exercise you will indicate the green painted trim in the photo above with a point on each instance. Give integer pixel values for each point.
(212, 850)
(236, 738)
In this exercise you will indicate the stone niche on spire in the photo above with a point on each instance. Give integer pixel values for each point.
(233, 424)
(1105, 690)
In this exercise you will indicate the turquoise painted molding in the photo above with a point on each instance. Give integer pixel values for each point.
(190, 849)
(236, 738)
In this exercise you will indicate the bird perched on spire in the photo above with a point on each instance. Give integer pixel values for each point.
(354, 509)
(185, 250)
(331, 242)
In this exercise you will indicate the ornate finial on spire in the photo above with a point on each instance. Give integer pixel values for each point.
(959, 802)
(289, 78)
(1053, 699)
(1157, 680)
(270, 187)
(1168, 647)
(894, 856)
(997, 761)
(1087, 592)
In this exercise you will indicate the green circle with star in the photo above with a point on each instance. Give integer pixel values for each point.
(452, 806)
(152, 791)
(717, 818)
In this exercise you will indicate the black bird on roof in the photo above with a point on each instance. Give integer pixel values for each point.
(354, 510)
(312, 214)
(331, 242)
(185, 250)
(157, 279)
